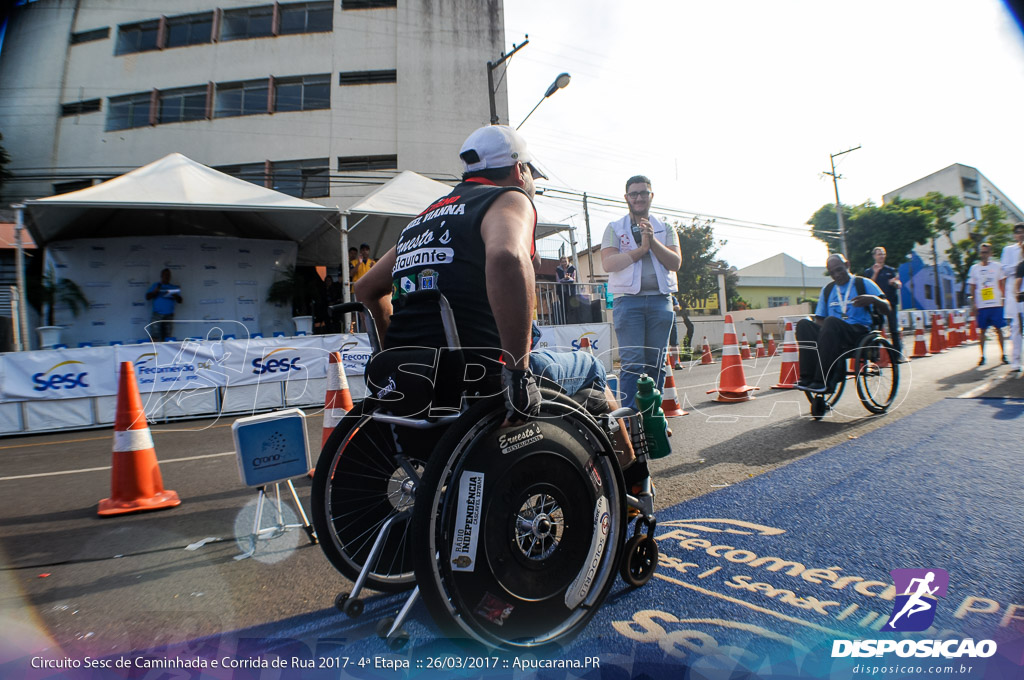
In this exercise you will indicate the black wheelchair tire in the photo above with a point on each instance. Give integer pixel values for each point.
(352, 496)
(876, 403)
(444, 593)
(639, 560)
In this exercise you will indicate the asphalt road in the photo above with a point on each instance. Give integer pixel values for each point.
(99, 586)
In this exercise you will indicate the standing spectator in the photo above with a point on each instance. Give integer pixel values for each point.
(565, 274)
(364, 262)
(1012, 256)
(353, 260)
(164, 295)
(888, 279)
(987, 287)
(641, 255)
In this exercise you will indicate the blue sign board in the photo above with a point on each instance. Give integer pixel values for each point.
(271, 447)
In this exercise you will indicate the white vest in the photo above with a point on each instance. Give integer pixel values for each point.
(627, 281)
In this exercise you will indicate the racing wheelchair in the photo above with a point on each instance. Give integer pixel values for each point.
(511, 536)
(874, 366)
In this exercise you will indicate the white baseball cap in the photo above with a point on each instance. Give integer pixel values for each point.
(496, 146)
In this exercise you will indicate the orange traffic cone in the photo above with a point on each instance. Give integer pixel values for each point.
(760, 348)
(135, 481)
(973, 334)
(669, 400)
(585, 345)
(705, 353)
(883, 360)
(936, 340)
(789, 375)
(744, 348)
(772, 349)
(952, 334)
(732, 384)
(338, 400)
(920, 351)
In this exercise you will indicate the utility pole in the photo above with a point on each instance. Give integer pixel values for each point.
(839, 208)
(491, 65)
(590, 244)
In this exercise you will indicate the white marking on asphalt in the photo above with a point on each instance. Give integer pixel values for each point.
(107, 467)
(980, 389)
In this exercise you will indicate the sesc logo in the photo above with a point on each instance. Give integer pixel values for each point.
(48, 380)
(265, 364)
(591, 338)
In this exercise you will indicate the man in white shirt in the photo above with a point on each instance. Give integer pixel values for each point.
(986, 288)
(1012, 256)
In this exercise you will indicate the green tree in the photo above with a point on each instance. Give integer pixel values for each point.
(698, 248)
(992, 228)
(897, 227)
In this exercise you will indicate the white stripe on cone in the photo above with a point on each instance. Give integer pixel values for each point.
(133, 440)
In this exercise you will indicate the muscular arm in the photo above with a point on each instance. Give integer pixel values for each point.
(374, 291)
(507, 232)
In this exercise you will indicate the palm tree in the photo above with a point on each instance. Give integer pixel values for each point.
(51, 291)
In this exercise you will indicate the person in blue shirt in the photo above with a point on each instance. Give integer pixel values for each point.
(165, 296)
(842, 318)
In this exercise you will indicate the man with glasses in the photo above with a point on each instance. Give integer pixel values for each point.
(641, 255)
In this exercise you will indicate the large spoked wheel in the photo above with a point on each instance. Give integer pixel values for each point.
(519, 531)
(878, 374)
(360, 483)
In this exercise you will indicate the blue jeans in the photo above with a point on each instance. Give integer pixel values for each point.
(642, 326)
(571, 370)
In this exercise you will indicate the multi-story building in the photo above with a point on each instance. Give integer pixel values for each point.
(319, 99)
(974, 190)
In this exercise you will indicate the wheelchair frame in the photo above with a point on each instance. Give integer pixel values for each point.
(866, 365)
(636, 559)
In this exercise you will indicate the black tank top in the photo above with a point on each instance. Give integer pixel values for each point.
(442, 248)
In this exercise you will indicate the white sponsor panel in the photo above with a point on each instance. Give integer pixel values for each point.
(274, 360)
(467, 521)
(58, 374)
(580, 587)
(355, 351)
(220, 279)
(167, 366)
(567, 339)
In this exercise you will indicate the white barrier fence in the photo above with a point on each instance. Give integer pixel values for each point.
(68, 389)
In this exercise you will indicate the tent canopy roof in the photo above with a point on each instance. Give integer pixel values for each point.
(178, 196)
(379, 217)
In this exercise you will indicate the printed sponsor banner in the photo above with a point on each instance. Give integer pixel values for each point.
(567, 338)
(58, 374)
(166, 366)
(219, 278)
(273, 360)
(355, 351)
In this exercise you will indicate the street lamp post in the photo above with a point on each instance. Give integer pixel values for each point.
(491, 65)
(560, 82)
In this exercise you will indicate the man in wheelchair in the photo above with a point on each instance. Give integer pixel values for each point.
(476, 246)
(846, 312)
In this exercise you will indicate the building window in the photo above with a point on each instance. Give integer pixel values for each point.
(130, 111)
(241, 99)
(778, 300)
(307, 17)
(928, 291)
(141, 37)
(68, 187)
(970, 185)
(251, 22)
(182, 104)
(190, 29)
(305, 93)
(356, 163)
(250, 172)
(368, 4)
(89, 36)
(302, 179)
(367, 77)
(77, 108)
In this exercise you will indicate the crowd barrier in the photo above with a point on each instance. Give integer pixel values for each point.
(65, 389)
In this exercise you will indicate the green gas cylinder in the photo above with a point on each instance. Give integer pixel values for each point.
(648, 402)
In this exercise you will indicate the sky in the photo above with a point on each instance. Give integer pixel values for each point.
(733, 108)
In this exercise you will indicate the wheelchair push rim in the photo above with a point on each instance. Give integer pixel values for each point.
(549, 524)
(877, 381)
(360, 484)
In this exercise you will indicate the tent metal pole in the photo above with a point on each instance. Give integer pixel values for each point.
(24, 342)
(344, 259)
